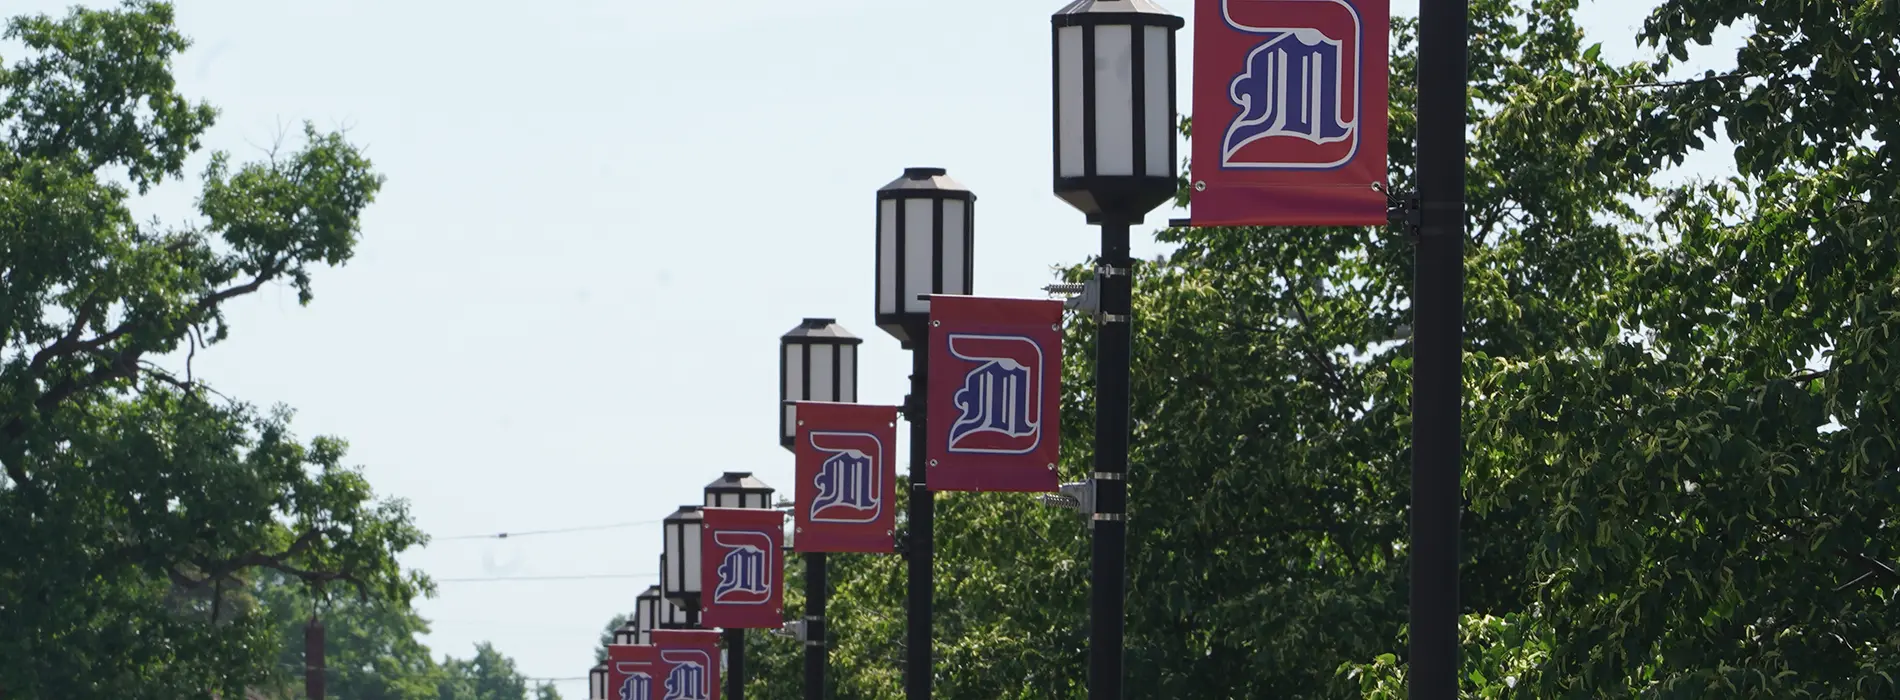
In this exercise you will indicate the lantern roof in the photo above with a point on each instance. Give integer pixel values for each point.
(1084, 7)
(821, 330)
(736, 481)
(924, 179)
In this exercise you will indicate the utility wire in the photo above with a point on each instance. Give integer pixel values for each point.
(572, 577)
(555, 531)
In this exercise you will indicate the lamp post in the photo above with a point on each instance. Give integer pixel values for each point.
(1115, 159)
(818, 361)
(679, 564)
(1438, 317)
(736, 490)
(628, 633)
(646, 613)
(597, 681)
(925, 245)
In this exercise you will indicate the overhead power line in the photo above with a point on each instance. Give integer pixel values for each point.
(572, 577)
(554, 531)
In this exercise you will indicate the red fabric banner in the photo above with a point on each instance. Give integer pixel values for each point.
(847, 478)
(689, 664)
(742, 568)
(1290, 112)
(632, 670)
(995, 394)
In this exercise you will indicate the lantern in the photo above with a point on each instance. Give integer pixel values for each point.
(1115, 138)
(679, 576)
(818, 361)
(925, 245)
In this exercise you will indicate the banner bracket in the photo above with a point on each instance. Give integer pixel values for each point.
(1402, 212)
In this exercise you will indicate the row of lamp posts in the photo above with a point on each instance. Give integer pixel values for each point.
(1115, 159)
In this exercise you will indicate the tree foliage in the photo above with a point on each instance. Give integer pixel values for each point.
(135, 500)
(1680, 418)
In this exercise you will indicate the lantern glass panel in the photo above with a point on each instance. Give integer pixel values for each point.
(848, 373)
(1069, 101)
(794, 371)
(920, 239)
(887, 256)
(670, 568)
(690, 546)
(1158, 120)
(822, 372)
(954, 227)
(1114, 101)
(794, 362)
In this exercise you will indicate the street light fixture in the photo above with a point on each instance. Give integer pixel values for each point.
(597, 681)
(646, 612)
(818, 361)
(679, 573)
(735, 490)
(1115, 160)
(926, 244)
(628, 633)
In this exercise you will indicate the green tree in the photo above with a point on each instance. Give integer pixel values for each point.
(371, 650)
(489, 675)
(607, 635)
(136, 500)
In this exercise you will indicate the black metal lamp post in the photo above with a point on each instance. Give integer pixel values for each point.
(736, 490)
(628, 633)
(1115, 160)
(818, 361)
(1438, 317)
(646, 613)
(925, 245)
(597, 681)
(679, 565)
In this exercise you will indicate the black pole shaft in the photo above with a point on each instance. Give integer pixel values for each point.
(817, 589)
(917, 655)
(692, 615)
(1437, 345)
(1108, 566)
(735, 664)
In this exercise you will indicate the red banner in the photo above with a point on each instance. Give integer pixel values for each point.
(1290, 112)
(689, 664)
(741, 565)
(847, 478)
(632, 672)
(995, 394)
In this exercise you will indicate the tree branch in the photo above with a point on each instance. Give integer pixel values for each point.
(1685, 82)
(123, 365)
(218, 571)
(1311, 346)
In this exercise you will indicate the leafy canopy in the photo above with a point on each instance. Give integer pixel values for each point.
(135, 500)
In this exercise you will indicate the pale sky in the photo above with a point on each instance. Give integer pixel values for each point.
(599, 218)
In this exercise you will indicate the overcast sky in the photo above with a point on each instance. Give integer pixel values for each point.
(600, 216)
